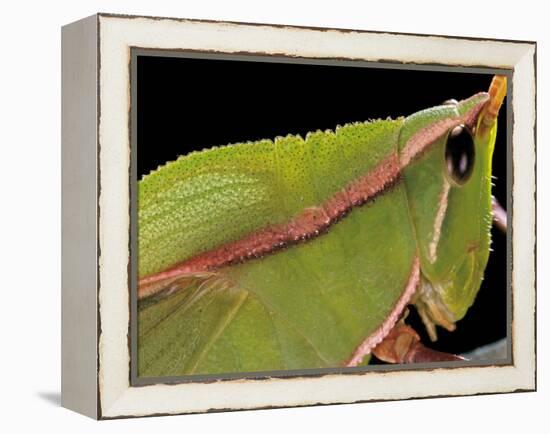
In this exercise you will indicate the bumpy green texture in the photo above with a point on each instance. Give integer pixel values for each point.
(311, 304)
(218, 195)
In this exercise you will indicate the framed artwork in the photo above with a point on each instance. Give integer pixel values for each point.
(265, 216)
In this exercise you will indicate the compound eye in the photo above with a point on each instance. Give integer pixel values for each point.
(460, 154)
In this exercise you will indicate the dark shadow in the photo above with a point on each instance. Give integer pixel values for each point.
(53, 398)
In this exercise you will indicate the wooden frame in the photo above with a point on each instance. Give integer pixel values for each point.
(96, 134)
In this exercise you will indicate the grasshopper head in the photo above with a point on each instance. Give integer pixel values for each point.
(446, 154)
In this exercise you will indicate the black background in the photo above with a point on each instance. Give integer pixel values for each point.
(186, 104)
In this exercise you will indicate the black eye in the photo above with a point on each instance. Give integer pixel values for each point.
(460, 154)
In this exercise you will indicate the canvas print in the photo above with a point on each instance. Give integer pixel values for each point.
(295, 216)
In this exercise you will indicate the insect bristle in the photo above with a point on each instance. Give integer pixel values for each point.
(313, 133)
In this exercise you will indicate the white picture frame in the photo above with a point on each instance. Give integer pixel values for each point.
(96, 305)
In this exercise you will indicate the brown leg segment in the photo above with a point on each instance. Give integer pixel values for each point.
(402, 345)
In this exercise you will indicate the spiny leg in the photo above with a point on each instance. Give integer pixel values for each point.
(403, 345)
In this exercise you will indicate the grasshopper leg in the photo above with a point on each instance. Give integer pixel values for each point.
(402, 345)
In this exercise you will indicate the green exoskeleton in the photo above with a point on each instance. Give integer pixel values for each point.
(305, 253)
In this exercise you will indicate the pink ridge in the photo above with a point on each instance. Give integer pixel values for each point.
(381, 332)
(310, 223)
